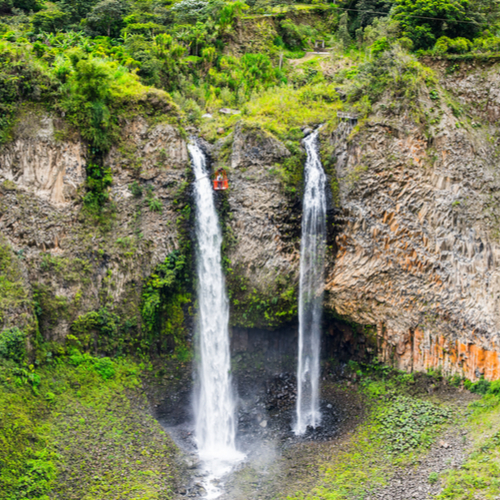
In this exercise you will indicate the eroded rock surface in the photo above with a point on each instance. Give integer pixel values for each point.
(415, 225)
(40, 164)
(418, 249)
(74, 263)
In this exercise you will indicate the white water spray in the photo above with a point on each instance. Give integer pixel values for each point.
(215, 407)
(312, 257)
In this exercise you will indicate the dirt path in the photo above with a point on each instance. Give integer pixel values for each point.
(307, 57)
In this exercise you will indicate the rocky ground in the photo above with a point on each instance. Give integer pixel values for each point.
(449, 452)
(279, 464)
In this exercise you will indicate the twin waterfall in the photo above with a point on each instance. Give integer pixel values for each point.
(312, 257)
(215, 406)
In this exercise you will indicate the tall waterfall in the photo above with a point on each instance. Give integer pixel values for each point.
(312, 256)
(215, 407)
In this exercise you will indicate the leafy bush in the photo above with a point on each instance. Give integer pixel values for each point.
(155, 205)
(482, 386)
(105, 368)
(99, 179)
(21, 78)
(135, 189)
(456, 46)
(425, 21)
(380, 45)
(13, 344)
(495, 387)
(406, 423)
(97, 329)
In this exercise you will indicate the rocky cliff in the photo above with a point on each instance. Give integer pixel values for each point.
(418, 249)
(413, 230)
(84, 270)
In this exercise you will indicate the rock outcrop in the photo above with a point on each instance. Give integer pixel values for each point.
(75, 264)
(414, 241)
(417, 254)
(38, 163)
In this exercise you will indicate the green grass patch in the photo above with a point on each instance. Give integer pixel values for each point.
(398, 430)
(80, 429)
(479, 477)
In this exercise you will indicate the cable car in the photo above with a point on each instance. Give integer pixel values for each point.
(221, 182)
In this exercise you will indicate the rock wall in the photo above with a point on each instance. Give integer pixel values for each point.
(74, 263)
(36, 162)
(414, 240)
(417, 254)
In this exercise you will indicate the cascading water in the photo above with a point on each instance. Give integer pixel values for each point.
(215, 407)
(312, 256)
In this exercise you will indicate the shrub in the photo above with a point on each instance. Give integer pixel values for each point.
(456, 46)
(155, 205)
(381, 45)
(13, 344)
(495, 387)
(482, 386)
(433, 477)
(135, 189)
(105, 368)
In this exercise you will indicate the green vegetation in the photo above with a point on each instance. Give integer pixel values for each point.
(164, 298)
(479, 475)
(98, 64)
(254, 309)
(79, 422)
(397, 431)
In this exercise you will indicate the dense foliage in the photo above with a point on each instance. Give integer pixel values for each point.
(89, 58)
(81, 422)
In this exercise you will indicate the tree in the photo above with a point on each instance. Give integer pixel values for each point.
(343, 32)
(424, 21)
(106, 18)
(370, 10)
(50, 21)
(77, 9)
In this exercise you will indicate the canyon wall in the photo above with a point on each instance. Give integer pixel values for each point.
(412, 266)
(418, 252)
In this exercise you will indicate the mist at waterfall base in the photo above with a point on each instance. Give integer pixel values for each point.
(312, 257)
(214, 401)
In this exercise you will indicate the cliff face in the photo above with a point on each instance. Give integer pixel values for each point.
(417, 241)
(75, 262)
(413, 233)
(418, 247)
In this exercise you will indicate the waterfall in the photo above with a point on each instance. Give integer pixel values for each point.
(312, 256)
(215, 426)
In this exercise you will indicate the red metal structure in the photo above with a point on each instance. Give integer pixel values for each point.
(221, 182)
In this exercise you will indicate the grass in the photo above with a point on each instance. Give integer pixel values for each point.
(479, 477)
(282, 111)
(80, 429)
(398, 430)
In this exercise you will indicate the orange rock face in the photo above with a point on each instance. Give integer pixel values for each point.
(420, 350)
(417, 250)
